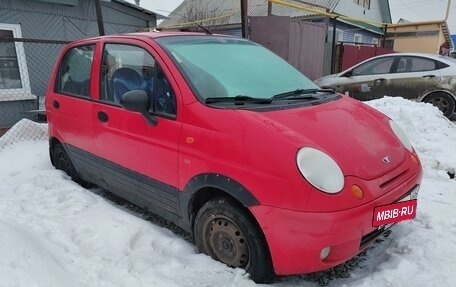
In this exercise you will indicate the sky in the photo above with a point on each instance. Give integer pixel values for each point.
(55, 233)
(412, 10)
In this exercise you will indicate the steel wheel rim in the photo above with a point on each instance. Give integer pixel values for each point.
(63, 163)
(441, 104)
(226, 242)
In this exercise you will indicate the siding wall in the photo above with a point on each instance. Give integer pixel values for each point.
(59, 22)
(379, 10)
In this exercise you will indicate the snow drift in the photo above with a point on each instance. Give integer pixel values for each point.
(55, 233)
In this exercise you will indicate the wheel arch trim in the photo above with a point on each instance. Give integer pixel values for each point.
(213, 181)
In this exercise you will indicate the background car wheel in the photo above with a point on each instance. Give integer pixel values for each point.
(62, 162)
(443, 101)
(228, 234)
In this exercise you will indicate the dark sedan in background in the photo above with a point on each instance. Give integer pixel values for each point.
(416, 76)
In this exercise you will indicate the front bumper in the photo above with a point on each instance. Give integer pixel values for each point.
(296, 238)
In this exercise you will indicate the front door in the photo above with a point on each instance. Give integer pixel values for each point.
(139, 159)
(369, 80)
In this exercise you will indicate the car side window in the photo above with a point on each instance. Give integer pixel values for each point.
(73, 77)
(126, 68)
(415, 64)
(376, 66)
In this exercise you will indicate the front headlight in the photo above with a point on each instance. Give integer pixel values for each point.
(399, 132)
(320, 170)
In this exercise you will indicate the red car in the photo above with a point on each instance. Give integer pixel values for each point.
(225, 139)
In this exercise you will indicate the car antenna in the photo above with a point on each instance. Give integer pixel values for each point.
(188, 19)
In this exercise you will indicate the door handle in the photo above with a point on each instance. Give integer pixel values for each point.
(56, 104)
(379, 80)
(429, 76)
(103, 117)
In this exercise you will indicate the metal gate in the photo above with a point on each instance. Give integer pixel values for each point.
(301, 43)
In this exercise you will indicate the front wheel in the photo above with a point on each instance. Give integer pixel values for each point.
(228, 234)
(443, 101)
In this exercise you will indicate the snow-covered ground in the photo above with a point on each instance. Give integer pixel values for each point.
(55, 233)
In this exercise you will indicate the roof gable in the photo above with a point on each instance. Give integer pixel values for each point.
(228, 11)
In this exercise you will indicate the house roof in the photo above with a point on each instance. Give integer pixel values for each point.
(363, 25)
(138, 8)
(229, 12)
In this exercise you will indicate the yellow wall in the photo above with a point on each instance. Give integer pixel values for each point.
(424, 44)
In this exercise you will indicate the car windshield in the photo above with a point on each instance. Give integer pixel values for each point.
(223, 67)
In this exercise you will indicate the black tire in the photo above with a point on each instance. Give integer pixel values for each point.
(228, 234)
(62, 162)
(443, 101)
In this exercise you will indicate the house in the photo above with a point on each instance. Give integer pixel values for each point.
(347, 19)
(32, 33)
(228, 15)
(427, 37)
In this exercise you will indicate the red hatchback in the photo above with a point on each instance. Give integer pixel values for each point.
(225, 139)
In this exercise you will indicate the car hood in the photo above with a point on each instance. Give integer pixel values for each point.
(325, 78)
(355, 135)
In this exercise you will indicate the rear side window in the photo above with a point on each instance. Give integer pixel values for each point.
(73, 77)
(415, 64)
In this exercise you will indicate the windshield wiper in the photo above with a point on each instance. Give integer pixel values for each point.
(300, 94)
(239, 100)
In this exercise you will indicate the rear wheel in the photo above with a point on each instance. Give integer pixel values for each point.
(443, 101)
(228, 234)
(62, 162)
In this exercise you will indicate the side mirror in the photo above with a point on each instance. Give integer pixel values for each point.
(138, 101)
(348, 74)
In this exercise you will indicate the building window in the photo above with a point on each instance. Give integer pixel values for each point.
(339, 35)
(389, 44)
(364, 3)
(358, 38)
(14, 79)
(375, 41)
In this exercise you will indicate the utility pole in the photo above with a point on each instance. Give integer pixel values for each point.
(101, 30)
(448, 10)
(244, 18)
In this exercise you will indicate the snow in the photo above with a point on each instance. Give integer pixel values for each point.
(53, 232)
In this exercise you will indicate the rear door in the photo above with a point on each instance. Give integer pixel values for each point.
(69, 106)
(139, 159)
(369, 80)
(413, 76)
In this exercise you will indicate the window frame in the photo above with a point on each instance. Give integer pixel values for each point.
(385, 59)
(339, 35)
(23, 93)
(360, 38)
(157, 66)
(59, 71)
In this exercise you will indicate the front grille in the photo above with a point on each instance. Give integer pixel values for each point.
(395, 178)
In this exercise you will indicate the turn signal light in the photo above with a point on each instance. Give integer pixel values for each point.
(414, 160)
(357, 192)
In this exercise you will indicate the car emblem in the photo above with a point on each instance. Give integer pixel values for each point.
(386, 159)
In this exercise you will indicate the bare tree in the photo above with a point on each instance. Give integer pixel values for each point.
(203, 13)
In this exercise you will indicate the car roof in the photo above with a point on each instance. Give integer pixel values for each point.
(440, 58)
(413, 54)
(152, 35)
